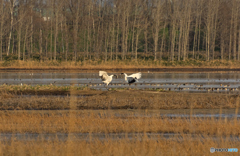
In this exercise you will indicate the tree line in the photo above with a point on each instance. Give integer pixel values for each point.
(80, 30)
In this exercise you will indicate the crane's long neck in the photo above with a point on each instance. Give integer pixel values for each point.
(125, 76)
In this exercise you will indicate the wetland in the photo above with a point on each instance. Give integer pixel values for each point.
(37, 117)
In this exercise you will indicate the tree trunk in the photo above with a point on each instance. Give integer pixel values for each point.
(117, 36)
(1, 30)
(162, 43)
(180, 40)
(238, 44)
(230, 38)
(19, 39)
(63, 36)
(235, 31)
(25, 42)
(66, 40)
(55, 33)
(40, 39)
(11, 26)
(222, 47)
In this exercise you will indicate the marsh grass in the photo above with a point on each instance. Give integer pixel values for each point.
(190, 146)
(58, 98)
(89, 122)
(26, 87)
(105, 122)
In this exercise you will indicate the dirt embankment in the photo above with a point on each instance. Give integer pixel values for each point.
(120, 99)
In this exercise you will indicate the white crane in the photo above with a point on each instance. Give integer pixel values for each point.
(132, 78)
(105, 78)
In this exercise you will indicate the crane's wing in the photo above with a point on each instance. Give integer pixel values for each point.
(136, 75)
(131, 80)
(103, 75)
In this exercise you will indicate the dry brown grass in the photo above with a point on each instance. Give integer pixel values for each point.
(23, 89)
(127, 99)
(105, 122)
(122, 147)
(122, 64)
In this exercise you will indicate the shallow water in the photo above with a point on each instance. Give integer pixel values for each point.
(110, 136)
(193, 82)
(175, 113)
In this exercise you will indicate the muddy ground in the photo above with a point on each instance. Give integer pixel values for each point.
(115, 99)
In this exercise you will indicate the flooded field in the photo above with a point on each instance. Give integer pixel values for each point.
(118, 125)
(133, 113)
(193, 82)
(91, 137)
(59, 112)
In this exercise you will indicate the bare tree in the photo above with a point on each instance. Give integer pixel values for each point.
(186, 28)
(174, 11)
(118, 11)
(230, 35)
(162, 40)
(56, 10)
(125, 25)
(25, 41)
(145, 24)
(11, 8)
(235, 25)
(2, 15)
(32, 30)
(197, 28)
(156, 25)
(40, 36)
(107, 29)
(139, 28)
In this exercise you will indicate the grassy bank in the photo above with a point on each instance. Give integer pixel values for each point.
(121, 64)
(63, 97)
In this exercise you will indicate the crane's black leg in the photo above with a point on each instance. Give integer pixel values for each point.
(106, 86)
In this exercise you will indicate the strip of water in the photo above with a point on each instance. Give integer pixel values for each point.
(193, 82)
(6, 137)
(132, 113)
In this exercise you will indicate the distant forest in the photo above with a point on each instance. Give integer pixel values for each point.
(78, 30)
